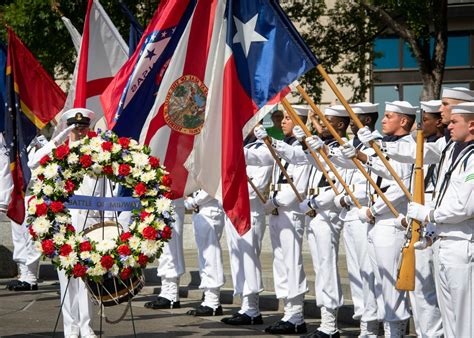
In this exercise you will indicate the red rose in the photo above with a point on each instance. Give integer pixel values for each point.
(140, 188)
(79, 270)
(65, 250)
(48, 247)
(32, 232)
(166, 180)
(69, 186)
(154, 162)
(166, 232)
(85, 246)
(62, 151)
(86, 161)
(56, 206)
(70, 228)
(124, 169)
(125, 236)
(125, 274)
(107, 262)
(91, 134)
(41, 209)
(45, 159)
(168, 194)
(124, 142)
(144, 215)
(108, 170)
(149, 232)
(142, 260)
(107, 146)
(124, 250)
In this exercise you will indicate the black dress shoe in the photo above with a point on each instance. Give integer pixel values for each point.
(162, 303)
(242, 319)
(205, 311)
(25, 286)
(282, 327)
(320, 334)
(11, 284)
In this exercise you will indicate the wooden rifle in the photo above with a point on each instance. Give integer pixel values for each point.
(407, 266)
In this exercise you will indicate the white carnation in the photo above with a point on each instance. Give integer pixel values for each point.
(95, 257)
(41, 225)
(85, 255)
(130, 261)
(69, 261)
(67, 173)
(51, 171)
(97, 270)
(134, 242)
(140, 159)
(116, 148)
(148, 176)
(37, 171)
(104, 156)
(160, 225)
(105, 245)
(163, 204)
(150, 247)
(37, 187)
(72, 158)
(58, 239)
(114, 270)
(48, 190)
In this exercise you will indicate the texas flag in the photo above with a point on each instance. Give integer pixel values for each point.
(233, 59)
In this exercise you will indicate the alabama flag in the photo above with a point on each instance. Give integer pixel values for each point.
(233, 58)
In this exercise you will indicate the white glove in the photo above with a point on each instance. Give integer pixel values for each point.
(348, 150)
(421, 244)
(342, 198)
(304, 206)
(401, 221)
(41, 140)
(190, 203)
(260, 132)
(365, 136)
(314, 142)
(299, 133)
(62, 136)
(362, 213)
(418, 211)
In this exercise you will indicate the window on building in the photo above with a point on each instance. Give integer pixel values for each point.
(389, 48)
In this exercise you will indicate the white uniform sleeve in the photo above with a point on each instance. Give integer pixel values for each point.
(202, 197)
(292, 154)
(260, 156)
(405, 152)
(34, 160)
(458, 203)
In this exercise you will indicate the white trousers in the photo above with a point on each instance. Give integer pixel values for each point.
(244, 252)
(384, 246)
(361, 274)
(24, 253)
(77, 306)
(286, 234)
(424, 303)
(172, 258)
(324, 232)
(208, 224)
(454, 276)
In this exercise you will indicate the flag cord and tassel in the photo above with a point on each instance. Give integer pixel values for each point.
(341, 142)
(360, 125)
(297, 121)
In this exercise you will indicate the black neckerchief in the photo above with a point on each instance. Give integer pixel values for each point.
(447, 134)
(432, 138)
(458, 147)
(356, 142)
(392, 138)
(289, 139)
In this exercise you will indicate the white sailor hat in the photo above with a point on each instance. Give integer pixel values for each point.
(432, 106)
(301, 110)
(463, 108)
(82, 116)
(401, 107)
(337, 110)
(458, 93)
(365, 107)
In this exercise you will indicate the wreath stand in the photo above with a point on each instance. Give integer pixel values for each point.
(99, 299)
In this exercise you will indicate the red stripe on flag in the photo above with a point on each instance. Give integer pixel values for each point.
(81, 83)
(155, 124)
(16, 208)
(97, 86)
(237, 109)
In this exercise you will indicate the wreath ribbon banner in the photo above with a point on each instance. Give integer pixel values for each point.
(84, 202)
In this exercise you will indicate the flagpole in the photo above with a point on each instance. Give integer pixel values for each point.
(360, 125)
(282, 168)
(341, 142)
(254, 187)
(296, 119)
